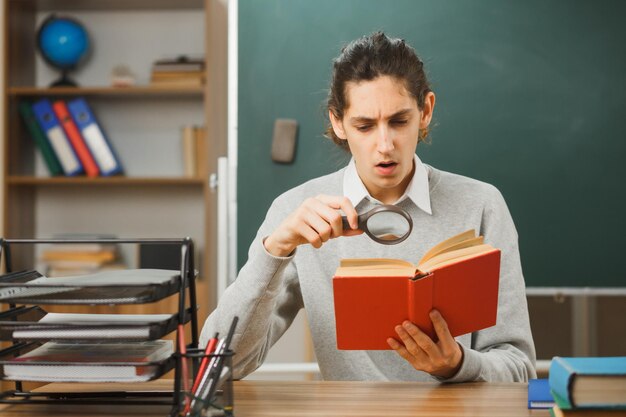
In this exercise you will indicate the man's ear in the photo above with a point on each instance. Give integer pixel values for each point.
(337, 126)
(427, 111)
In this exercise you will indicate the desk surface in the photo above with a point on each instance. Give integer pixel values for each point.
(325, 399)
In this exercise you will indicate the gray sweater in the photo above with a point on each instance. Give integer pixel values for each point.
(269, 291)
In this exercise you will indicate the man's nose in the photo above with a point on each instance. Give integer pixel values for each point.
(384, 142)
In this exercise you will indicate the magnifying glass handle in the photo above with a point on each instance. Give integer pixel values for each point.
(346, 224)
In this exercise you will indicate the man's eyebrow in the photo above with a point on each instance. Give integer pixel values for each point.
(364, 119)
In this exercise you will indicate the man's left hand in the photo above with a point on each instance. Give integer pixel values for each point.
(442, 358)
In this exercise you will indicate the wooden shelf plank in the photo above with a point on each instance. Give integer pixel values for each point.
(105, 91)
(53, 5)
(118, 181)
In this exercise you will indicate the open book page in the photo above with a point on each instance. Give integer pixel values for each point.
(447, 258)
(452, 249)
(447, 244)
(460, 245)
(375, 267)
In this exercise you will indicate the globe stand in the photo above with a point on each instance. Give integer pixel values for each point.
(64, 81)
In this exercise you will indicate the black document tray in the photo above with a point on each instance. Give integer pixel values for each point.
(19, 288)
(146, 371)
(27, 319)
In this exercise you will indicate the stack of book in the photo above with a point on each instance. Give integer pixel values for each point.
(63, 260)
(181, 71)
(69, 138)
(590, 386)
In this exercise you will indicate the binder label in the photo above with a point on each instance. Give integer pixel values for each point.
(62, 148)
(99, 148)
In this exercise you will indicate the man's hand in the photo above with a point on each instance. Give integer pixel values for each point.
(314, 222)
(442, 358)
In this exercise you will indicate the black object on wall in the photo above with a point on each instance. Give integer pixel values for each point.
(530, 97)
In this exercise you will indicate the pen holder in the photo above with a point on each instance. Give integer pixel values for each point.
(213, 395)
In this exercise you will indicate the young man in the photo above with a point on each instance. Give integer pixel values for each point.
(380, 106)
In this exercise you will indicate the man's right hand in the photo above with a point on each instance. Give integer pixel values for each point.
(315, 221)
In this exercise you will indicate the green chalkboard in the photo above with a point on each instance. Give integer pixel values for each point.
(531, 97)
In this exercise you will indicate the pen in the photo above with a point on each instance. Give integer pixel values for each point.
(210, 348)
(203, 381)
(206, 390)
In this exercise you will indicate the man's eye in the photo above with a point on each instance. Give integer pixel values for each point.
(398, 122)
(363, 128)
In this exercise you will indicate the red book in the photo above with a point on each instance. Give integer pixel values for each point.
(459, 277)
(76, 139)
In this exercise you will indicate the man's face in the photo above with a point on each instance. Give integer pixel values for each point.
(381, 125)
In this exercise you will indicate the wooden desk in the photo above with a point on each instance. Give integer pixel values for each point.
(329, 399)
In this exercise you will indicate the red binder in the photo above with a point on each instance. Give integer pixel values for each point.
(76, 139)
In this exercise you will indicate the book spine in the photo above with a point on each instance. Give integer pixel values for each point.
(560, 378)
(39, 137)
(420, 303)
(560, 402)
(100, 147)
(202, 152)
(75, 138)
(57, 138)
(189, 151)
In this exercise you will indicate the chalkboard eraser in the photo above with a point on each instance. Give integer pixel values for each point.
(284, 140)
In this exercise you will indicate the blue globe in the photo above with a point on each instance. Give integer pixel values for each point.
(63, 42)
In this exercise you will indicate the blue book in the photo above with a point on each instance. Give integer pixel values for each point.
(97, 142)
(44, 114)
(592, 382)
(539, 394)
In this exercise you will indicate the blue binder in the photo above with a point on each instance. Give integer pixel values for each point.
(56, 136)
(97, 142)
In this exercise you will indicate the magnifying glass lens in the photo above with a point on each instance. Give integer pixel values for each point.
(384, 224)
(388, 225)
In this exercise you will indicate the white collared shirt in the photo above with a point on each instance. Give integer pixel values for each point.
(417, 190)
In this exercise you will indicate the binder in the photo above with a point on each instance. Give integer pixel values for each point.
(38, 135)
(71, 130)
(56, 136)
(100, 147)
(59, 346)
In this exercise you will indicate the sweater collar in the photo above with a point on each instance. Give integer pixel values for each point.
(417, 190)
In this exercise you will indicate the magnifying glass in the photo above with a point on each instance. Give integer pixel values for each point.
(386, 224)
